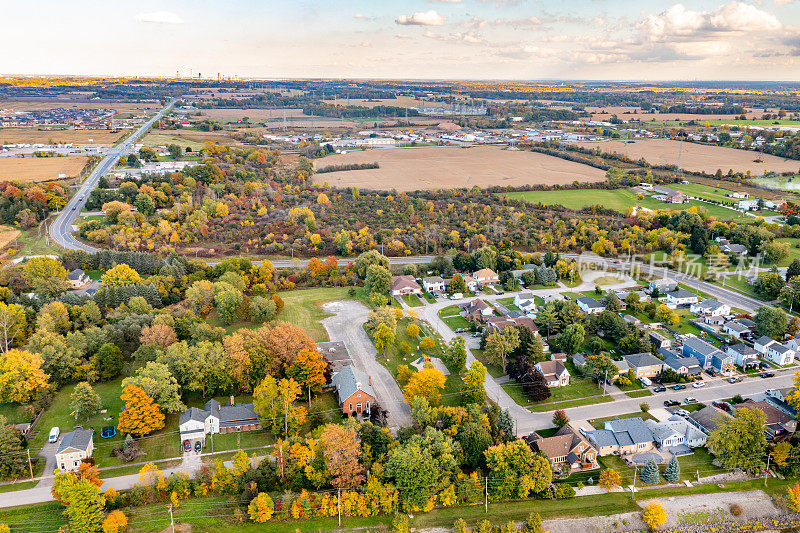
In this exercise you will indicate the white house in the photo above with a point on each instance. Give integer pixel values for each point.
(75, 446)
(78, 278)
(681, 297)
(195, 424)
(554, 372)
(433, 284)
(735, 329)
(774, 351)
(525, 302)
(663, 285)
(747, 205)
(710, 307)
(676, 432)
(590, 305)
(402, 285)
(744, 356)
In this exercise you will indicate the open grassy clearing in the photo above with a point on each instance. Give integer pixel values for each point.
(304, 308)
(450, 315)
(77, 137)
(36, 169)
(450, 167)
(412, 300)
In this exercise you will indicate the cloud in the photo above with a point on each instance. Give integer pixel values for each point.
(422, 18)
(679, 22)
(469, 37)
(160, 17)
(783, 2)
(477, 22)
(403, 36)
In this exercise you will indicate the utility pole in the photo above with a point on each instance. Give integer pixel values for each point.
(339, 506)
(29, 462)
(171, 521)
(486, 494)
(766, 470)
(633, 487)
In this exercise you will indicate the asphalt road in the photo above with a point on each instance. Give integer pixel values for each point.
(61, 229)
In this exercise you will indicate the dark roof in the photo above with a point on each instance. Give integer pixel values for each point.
(76, 274)
(590, 302)
(708, 417)
(78, 439)
(700, 346)
(349, 380)
(743, 349)
(638, 360)
(335, 353)
(193, 413)
(681, 293)
(675, 361)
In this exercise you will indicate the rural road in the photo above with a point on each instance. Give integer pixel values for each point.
(346, 325)
(61, 229)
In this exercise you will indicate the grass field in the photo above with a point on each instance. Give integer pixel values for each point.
(78, 137)
(450, 167)
(35, 169)
(450, 316)
(29, 242)
(619, 200)
(7, 235)
(780, 183)
(192, 138)
(304, 308)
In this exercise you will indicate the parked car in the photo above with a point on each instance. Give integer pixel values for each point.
(187, 446)
(725, 406)
(679, 386)
(645, 381)
(689, 400)
(682, 412)
(55, 432)
(456, 296)
(671, 403)
(698, 384)
(734, 379)
(198, 446)
(660, 388)
(767, 374)
(711, 372)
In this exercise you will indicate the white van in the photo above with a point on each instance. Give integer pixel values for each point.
(457, 296)
(54, 434)
(645, 381)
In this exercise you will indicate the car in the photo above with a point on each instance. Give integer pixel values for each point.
(682, 412)
(735, 379)
(55, 432)
(198, 446)
(671, 403)
(689, 400)
(660, 388)
(187, 446)
(767, 374)
(108, 432)
(711, 372)
(679, 386)
(567, 298)
(501, 292)
(698, 384)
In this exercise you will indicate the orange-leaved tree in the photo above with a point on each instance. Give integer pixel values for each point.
(141, 415)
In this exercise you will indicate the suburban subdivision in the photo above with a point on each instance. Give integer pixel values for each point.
(306, 268)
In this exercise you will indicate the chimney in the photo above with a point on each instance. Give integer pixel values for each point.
(232, 402)
(358, 384)
(370, 381)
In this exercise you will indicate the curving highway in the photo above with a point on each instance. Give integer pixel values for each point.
(61, 229)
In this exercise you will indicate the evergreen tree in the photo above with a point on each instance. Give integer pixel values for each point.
(793, 269)
(673, 471)
(650, 473)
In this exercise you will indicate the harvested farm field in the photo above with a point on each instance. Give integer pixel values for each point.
(409, 169)
(35, 169)
(77, 137)
(698, 157)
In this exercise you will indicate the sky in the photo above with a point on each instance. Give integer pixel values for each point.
(419, 39)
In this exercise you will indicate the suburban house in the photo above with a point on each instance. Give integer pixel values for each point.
(525, 302)
(658, 340)
(630, 319)
(470, 282)
(486, 276)
(714, 320)
(402, 285)
(644, 365)
(736, 329)
(700, 349)
(707, 418)
(733, 249)
(354, 390)
(685, 366)
(554, 372)
(622, 436)
(433, 284)
(195, 423)
(743, 355)
(74, 447)
(676, 435)
(681, 298)
(78, 278)
(778, 399)
(723, 362)
(336, 354)
(500, 323)
(778, 423)
(774, 351)
(590, 306)
(670, 196)
(663, 285)
(710, 307)
(478, 310)
(567, 449)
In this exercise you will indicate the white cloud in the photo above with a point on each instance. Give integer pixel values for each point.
(783, 2)
(160, 17)
(422, 18)
(477, 22)
(469, 37)
(681, 22)
(361, 16)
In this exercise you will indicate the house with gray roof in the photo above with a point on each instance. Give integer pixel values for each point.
(195, 423)
(355, 392)
(590, 306)
(699, 349)
(622, 436)
(710, 307)
(336, 354)
(707, 419)
(681, 298)
(744, 356)
(685, 366)
(644, 365)
(676, 435)
(74, 447)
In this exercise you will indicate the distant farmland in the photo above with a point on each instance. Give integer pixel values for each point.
(34, 169)
(409, 169)
(697, 157)
(77, 137)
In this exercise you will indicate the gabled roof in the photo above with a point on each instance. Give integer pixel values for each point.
(78, 439)
(553, 369)
(590, 302)
(433, 279)
(477, 303)
(743, 349)
(700, 346)
(675, 361)
(638, 360)
(709, 304)
(736, 326)
(764, 340)
(630, 430)
(193, 413)
(485, 273)
(708, 417)
(402, 282)
(780, 348)
(76, 274)
(350, 380)
(681, 293)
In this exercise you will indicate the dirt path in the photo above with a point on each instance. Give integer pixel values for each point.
(346, 325)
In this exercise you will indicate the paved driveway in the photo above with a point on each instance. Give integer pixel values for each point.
(48, 451)
(346, 325)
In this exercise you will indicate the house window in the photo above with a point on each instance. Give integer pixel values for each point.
(351, 407)
(358, 407)
(369, 407)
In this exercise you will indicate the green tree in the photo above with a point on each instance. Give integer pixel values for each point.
(85, 506)
(109, 361)
(500, 344)
(514, 471)
(771, 321)
(228, 302)
(378, 280)
(382, 338)
(262, 309)
(84, 401)
(533, 524)
(649, 473)
(370, 257)
(145, 204)
(455, 355)
(768, 284)
(175, 151)
(158, 383)
(474, 379)
(673, 470)
(601, 366)
(571, 339)
(45, 276)
(10, 451)
(457, 285)
(739, 442)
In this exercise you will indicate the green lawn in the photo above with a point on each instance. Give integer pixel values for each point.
(580, 391)
(450, 316)
(598, 423)
(429, 297)
(412, 300)
(635, 389)
(794, 249)
(617, 199)
(304, 308)
(30, 243)
(494, 370)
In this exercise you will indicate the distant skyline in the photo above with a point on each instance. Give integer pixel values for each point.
(420, 39)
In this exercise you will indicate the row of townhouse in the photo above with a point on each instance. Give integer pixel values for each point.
(403, 285)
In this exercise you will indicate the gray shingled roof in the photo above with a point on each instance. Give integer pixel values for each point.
(743, 349)
(633, 429)
(193, 413)
(700, 346)
(710, 304)
(638, 360)
(682, 293)
(590, 302)
(78, 439)
(76, 274)
(735, 326)
(764, 340)
(675, 361)
(350, 380)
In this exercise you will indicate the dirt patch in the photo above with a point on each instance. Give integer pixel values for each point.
(697, 157)
(7, 235)
(194, 139)
(34, 169)
(77, 137)
(449, 168)
(595, 524)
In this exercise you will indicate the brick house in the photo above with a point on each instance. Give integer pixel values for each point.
(354, 389)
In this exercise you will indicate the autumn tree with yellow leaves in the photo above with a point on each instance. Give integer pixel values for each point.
(142, 415)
